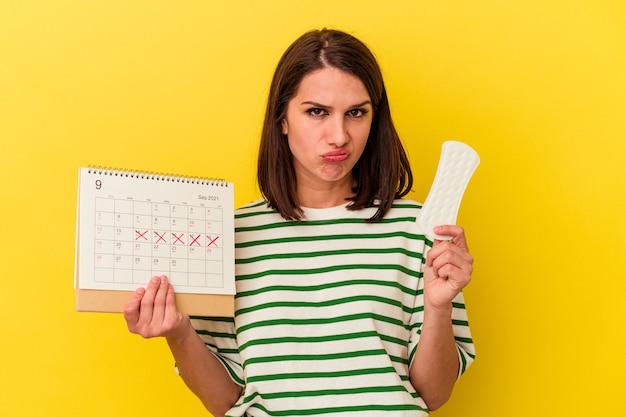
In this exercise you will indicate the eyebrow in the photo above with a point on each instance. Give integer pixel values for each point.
(314, 103)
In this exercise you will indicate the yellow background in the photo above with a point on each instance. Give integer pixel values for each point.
(537, 87)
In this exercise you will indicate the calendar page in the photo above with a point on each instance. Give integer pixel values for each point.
(132, 226)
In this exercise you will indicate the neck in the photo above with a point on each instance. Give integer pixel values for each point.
(331, 195)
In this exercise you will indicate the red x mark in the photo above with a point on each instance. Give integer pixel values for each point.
(194, 240)
(161, 237)
(178, 238)
(212, 241)
(141, 235)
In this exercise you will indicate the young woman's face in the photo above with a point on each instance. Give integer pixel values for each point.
(327, 125)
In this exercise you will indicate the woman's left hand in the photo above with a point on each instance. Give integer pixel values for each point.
(448, 267)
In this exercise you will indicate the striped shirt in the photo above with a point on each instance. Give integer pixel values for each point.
(328, 313)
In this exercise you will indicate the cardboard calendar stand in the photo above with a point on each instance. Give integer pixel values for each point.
(103, 301)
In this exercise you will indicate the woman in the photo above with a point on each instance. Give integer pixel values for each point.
(338, 308)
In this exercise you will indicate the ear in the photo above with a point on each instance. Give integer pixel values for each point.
(285, 126)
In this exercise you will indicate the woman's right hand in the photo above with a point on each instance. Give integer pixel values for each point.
(152, 312)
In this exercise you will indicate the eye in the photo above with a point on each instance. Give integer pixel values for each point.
(356, 113)
(317, 112)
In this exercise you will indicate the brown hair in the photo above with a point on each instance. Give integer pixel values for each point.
(383, 171)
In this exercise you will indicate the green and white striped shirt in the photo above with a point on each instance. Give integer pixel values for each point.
(328, 313)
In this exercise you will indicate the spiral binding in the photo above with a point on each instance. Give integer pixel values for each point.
(156, 176)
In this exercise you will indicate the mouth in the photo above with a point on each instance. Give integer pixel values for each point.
(336, 156)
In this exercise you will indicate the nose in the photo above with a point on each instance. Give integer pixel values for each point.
(337, 133)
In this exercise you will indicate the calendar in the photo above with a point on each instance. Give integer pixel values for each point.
(135, 225)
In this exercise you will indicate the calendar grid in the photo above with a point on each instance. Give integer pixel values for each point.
(138, 239)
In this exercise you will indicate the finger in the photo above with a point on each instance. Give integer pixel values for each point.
(445, 252)
(456, 232)
(147, 303)
(158, 312)
(173, 317)
(440, 247)
(448, 252)
(170, 300)
(452, 266)
(434, 252)
(131, 309)
(456, 278)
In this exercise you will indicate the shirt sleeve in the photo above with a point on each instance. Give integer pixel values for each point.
(219, 336)
(460, 327)
(462, 335)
